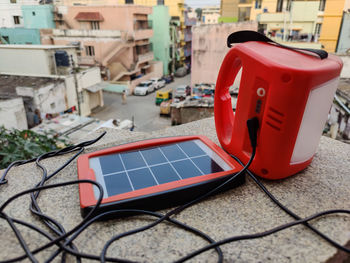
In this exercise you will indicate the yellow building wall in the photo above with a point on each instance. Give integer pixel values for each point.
(229, 8)
(176, 7)
(331, 23)
(270, 5)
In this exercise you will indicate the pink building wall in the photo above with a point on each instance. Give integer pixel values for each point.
(115, 17)
(209, 49)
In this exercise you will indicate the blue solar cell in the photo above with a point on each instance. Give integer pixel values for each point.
(132, 160)
(153, 156)
(191, 148)
(164, 173)
(117, 184)
(207, 165)
(111, 164)
(186, 169)
(141, 178)
(173, 152)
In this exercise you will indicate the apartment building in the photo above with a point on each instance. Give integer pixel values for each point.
(11, 12)
(229, 10)
(115, 38)
(210, 14)
(335, 20)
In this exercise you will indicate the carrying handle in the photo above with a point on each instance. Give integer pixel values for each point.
(247, 35)
(223, 112)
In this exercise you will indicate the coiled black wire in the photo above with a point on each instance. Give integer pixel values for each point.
(64, 240)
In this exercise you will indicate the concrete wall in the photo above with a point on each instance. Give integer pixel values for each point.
(21, 35)
(44, 60)
(12, 114)
(48, 99)
(10, 58)
(344, 35)
(124, 15)
(209, 49)
(161, 35)
(331, 24)
(38, 16)
(346, 66)
(8, 10)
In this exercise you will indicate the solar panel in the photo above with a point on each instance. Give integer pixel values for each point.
(154, 174)
(133, 170)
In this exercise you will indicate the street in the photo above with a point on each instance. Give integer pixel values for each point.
(143, 108)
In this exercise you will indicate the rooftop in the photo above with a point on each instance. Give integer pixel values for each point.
(8, 83)
(36, 47)
(323, 185)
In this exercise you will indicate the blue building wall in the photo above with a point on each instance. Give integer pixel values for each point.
(20, 36)
(38, 16)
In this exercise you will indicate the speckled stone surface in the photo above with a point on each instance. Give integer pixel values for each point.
(325, 184)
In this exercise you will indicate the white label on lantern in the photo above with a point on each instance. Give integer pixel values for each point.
(315, 116)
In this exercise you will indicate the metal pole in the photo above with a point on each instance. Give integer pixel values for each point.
(76, 83)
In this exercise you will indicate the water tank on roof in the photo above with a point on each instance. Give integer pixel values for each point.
(62, 58)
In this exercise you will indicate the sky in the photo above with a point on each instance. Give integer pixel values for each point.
(201, 3)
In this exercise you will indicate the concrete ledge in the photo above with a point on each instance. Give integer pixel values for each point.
(323, 185)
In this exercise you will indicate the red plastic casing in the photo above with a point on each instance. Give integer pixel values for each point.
(287, 78)
(87, 197)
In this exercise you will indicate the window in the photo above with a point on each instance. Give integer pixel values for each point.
(13, 1)
(318, 29)
(129, 1)
(322, 5)
(16, 20)
(160, 2)
(95, 25)
(258, 4)
(90, 50)
(52, 105)
(33, 13)
(279, 6)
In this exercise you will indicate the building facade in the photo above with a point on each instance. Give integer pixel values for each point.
(290, 20)
(160, 21)
(83, 87)
(38, 16)
(229, 11)
(12, 113)
(11, 12)
(209, 48)
(210, 14)
(120, 47)
(332, 22)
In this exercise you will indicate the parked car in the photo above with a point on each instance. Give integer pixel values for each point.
(144, 88)
(182, 91)
(158, 83)
(168, 79)
(163, 95)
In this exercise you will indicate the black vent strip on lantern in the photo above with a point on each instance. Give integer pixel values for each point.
(133, 170)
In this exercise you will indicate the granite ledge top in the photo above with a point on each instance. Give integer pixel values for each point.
(324, 185)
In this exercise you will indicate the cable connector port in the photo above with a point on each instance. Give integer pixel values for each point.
(253, 126)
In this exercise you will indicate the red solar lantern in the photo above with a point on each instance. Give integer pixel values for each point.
(289, 91)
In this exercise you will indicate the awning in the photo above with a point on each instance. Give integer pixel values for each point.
(97, 87)
(89, 16)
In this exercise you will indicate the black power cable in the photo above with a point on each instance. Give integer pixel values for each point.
(64, 240)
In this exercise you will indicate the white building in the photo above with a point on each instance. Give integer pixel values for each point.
(82, 89)
(11, 12)
(12, 113)
(210, 14)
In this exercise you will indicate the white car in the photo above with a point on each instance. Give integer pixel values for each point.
(158, 83)
(144, 88)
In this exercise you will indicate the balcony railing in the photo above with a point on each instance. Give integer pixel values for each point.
(86, 33)
(143, 34)
(145, 57)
